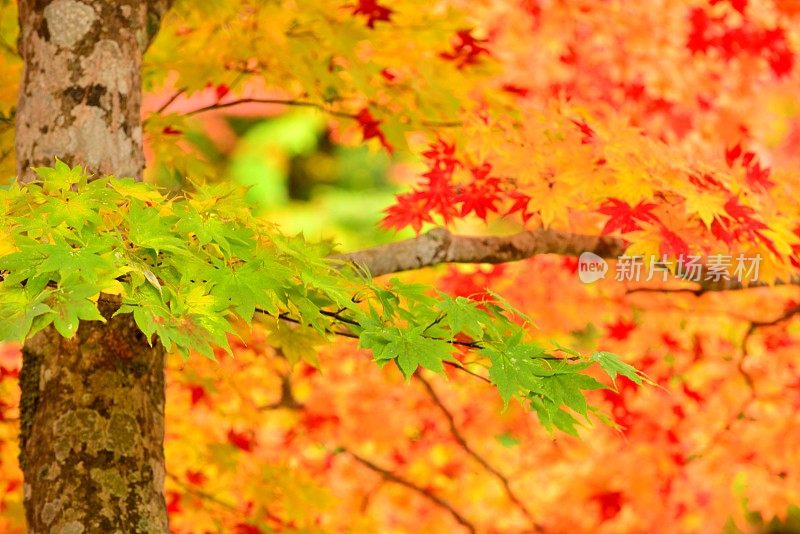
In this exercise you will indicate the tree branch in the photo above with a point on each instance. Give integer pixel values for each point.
(435, 499)
(440, 246)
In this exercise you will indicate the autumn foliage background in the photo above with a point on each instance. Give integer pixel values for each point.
(673, 124)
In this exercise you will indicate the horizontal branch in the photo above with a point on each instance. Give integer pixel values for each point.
(439, 246)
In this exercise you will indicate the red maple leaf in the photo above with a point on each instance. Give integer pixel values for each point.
(408, 210)
(435, 195)
(374, 12)
(473, 284)
(585, 129)
(516, 89)
(610, 504)
(770, 44)
(775, 48)
(467, 49)
(8, 371)
(570, 57)
(370, 128)
(719, 229)
(221, 90)
(478, 200)
(624, 217)
(706, 181)
(758, 177)
(241, 440)
(731, 154)
(388, 75)
(173, 502)
(196, 478)
(521, 201)
(620, 329)
(442, 156)
(700, 22)
(672, 245)
(315, 421)
(480, 196)
(692, 394)
(739, 222)
(198, 394)
(741, 213)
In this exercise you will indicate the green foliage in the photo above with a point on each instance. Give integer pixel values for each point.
(194, 269)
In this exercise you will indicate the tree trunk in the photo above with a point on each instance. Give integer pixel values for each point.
(92, 430)
(92, 407)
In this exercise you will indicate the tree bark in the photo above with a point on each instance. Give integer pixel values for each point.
(92, 407)
(92, 429)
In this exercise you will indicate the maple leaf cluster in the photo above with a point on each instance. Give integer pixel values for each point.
(441, 198)
(714, 32)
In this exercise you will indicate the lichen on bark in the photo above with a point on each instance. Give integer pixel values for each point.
(80, 98)
(93, 443)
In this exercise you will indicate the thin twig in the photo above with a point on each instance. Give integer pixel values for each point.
(693, 291)
(746, 376)
(306, 104)
(203, 495)
(432, 497)
(171, 99)
(462, 442)
(287, 400)
(788, 314)
(351, 335)
(196, 492)
(279, 101)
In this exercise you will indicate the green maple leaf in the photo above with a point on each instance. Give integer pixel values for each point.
(249, 287)
(19, 309)
(552, 416)
(513, 365)
(412, 350)
(60, 177)
(567, 389)
(613, 366)
(463, 316)
(71, 304)
(297, 343)
(85, 261)
(147, 229)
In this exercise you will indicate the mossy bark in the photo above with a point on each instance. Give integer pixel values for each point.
(92, 407)
(92, 429)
